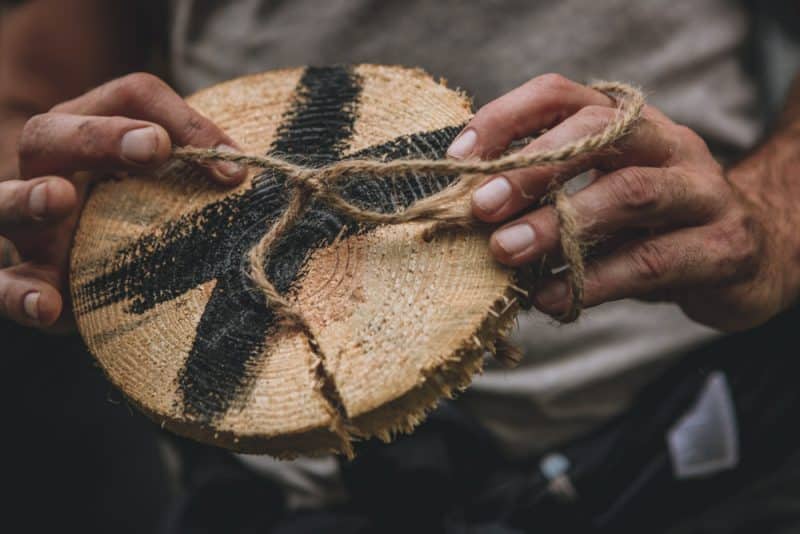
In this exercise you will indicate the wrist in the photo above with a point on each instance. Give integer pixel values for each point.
(768, 182)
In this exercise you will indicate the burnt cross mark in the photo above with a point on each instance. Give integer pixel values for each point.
(212, 243)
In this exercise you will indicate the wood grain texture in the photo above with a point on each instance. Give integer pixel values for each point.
(163, 300)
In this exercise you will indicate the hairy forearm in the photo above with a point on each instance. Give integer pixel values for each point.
(770, 179)
(772, 170)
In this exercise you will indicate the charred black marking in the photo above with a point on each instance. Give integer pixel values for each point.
(212, 243)
(317, 126)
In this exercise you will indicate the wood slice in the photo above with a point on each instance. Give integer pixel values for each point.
(162, 297)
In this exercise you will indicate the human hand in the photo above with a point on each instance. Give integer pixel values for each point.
(672, 224)
(127, 125)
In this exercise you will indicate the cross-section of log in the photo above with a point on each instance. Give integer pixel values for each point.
(164, 301)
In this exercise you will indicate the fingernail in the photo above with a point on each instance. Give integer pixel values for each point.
(139, 146)
(37, 201)
(491, 196)
(515, 239)
(229, 169)
(463, 145)
(552, 293)
(31, 305)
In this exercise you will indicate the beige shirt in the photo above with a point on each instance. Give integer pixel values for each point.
(687, 54)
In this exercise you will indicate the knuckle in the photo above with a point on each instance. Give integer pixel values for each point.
(552, 81)
(549, 91)
(690, 140)
(143, 80)
(32, 131)
(739, 246)
(134, 88)
(649, 261)
(709, 194)
(30, 141)
(685, 132)
(634, 188)
(498, 123)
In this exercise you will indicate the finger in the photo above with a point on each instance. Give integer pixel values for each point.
(61, 143)
(28, 295)
(628, 199)
(658, 266)
(540, 103)
(145, 97)
(24, 203)
(651, 143)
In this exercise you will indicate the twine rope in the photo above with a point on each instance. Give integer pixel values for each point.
(447, 209)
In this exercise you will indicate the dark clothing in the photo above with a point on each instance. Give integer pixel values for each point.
(449, 476)
(77, 457)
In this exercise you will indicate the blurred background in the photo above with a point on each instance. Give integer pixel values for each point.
(77, 454)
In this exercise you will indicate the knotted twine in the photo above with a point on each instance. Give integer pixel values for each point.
(447, 209)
